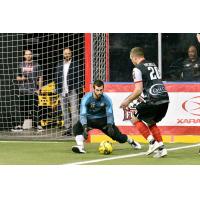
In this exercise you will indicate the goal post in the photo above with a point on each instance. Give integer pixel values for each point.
(96, 58)
(88, 62)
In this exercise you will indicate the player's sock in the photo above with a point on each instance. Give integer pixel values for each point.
(133, 143)
(156, 133)
(151, 139)
(143, 129)
(80, 140)
(130, 140)
(162, 146)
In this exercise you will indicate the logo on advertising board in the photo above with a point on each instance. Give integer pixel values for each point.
(129, 111)
(191, 106)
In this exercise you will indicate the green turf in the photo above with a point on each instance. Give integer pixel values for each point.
(178, 157)
(34, 153)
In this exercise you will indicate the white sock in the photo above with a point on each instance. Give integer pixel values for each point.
(161, 143)
(129, 140)
(80, 140)
(150, 138)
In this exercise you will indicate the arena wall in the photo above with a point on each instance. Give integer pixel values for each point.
(181, 123)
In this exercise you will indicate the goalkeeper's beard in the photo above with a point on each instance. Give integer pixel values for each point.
(97, 96)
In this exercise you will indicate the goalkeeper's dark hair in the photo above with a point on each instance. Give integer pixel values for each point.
(98, 83)
(137, 51)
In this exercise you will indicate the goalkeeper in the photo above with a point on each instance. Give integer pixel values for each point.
(96, 112)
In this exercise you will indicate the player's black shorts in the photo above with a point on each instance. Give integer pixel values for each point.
(150, 113)
(101, 125)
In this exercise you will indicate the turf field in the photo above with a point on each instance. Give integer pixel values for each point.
(51, 152)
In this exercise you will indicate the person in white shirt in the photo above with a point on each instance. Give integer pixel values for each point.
(69, 79)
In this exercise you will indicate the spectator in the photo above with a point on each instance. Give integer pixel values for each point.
(29, 81)
(187, 69)
(69, 78)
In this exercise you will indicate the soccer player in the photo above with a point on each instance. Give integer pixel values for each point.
(96, 112)
(152, 100)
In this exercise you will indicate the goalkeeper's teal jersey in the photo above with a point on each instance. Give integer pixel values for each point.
(92, 108)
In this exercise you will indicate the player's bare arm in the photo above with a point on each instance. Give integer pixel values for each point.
(21, 78)
(40, 83)
(136, 93)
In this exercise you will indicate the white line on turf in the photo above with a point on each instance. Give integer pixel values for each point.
(184, 147)
(129, 156)
(25, 141)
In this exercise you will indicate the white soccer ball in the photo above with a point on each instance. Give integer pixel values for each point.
(105, 148)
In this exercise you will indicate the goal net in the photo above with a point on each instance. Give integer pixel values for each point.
(99, 56)
(35, 99)
(28, 62)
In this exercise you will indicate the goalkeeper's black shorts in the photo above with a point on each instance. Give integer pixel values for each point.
(150, 113)
(101, 125)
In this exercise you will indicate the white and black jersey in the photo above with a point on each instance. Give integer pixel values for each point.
(153, 88)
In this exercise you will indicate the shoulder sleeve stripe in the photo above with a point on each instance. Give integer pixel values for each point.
(138, 81)
(137, 75)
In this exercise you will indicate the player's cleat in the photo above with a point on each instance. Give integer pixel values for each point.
(136, 145)
(78, 149)
(161, 153)
(17, 129)
(39, 128)
(152, 148)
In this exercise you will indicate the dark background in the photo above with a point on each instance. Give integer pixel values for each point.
(48, 48)
(174, 47)
(120, 46)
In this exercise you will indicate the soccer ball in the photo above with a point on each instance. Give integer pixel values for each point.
(105, 148)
